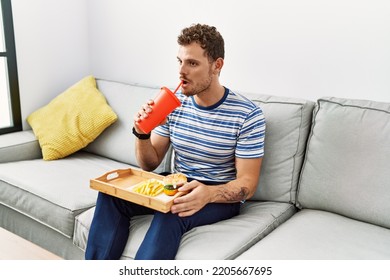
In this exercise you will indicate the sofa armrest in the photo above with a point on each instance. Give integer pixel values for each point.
(18, 146)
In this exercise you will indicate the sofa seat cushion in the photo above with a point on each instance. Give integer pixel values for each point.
(320, 235)
(53, 192)
(222, 240)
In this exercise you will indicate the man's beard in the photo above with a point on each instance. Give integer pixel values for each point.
(200, 88)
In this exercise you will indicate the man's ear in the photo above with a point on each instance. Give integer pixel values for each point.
(218, 64)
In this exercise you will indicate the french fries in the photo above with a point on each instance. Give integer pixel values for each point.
(151, 187)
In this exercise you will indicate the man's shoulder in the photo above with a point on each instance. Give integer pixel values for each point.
(240, 99)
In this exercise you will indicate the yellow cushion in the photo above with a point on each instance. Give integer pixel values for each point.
(72, 120)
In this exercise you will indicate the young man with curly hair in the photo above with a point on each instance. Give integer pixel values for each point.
(218, 139)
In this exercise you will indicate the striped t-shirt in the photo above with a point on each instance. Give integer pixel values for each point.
(206, 140)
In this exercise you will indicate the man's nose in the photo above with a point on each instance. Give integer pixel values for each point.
(182, 69)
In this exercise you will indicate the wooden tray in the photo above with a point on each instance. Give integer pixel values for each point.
(121, 182)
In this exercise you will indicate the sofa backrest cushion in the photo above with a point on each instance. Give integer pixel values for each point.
(117, 142)
(288, 122)
(346, 169)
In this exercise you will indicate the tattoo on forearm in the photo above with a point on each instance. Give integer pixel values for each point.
(230, 195)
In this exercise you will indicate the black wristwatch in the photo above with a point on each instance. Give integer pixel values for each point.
(141, 136)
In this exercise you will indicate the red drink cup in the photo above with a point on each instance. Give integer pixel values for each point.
(164, 103)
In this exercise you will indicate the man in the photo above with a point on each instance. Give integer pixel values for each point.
(218, 139)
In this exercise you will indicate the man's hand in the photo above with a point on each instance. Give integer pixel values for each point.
(197, 197)
(143, 113)
(242, 188)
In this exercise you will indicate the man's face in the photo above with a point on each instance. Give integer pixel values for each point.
(195, 69)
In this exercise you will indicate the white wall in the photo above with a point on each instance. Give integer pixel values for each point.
(51, 39)
(301, 48)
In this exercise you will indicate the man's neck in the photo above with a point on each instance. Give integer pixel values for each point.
(210, 97)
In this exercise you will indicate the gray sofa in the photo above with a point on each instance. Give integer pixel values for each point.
(323, 194)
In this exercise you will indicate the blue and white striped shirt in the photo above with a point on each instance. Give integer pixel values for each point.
(206, 140)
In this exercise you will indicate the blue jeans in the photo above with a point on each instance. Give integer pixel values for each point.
(110, 228)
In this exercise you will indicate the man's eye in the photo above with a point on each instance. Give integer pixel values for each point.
(193, 63)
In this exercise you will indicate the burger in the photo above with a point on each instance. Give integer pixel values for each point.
(172, 182)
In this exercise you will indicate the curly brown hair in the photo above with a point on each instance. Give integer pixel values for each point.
(207, 37)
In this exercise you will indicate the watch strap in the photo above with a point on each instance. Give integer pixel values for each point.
(140, 135)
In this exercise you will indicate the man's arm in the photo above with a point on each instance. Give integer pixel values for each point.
(151, 152)
(242, 188)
